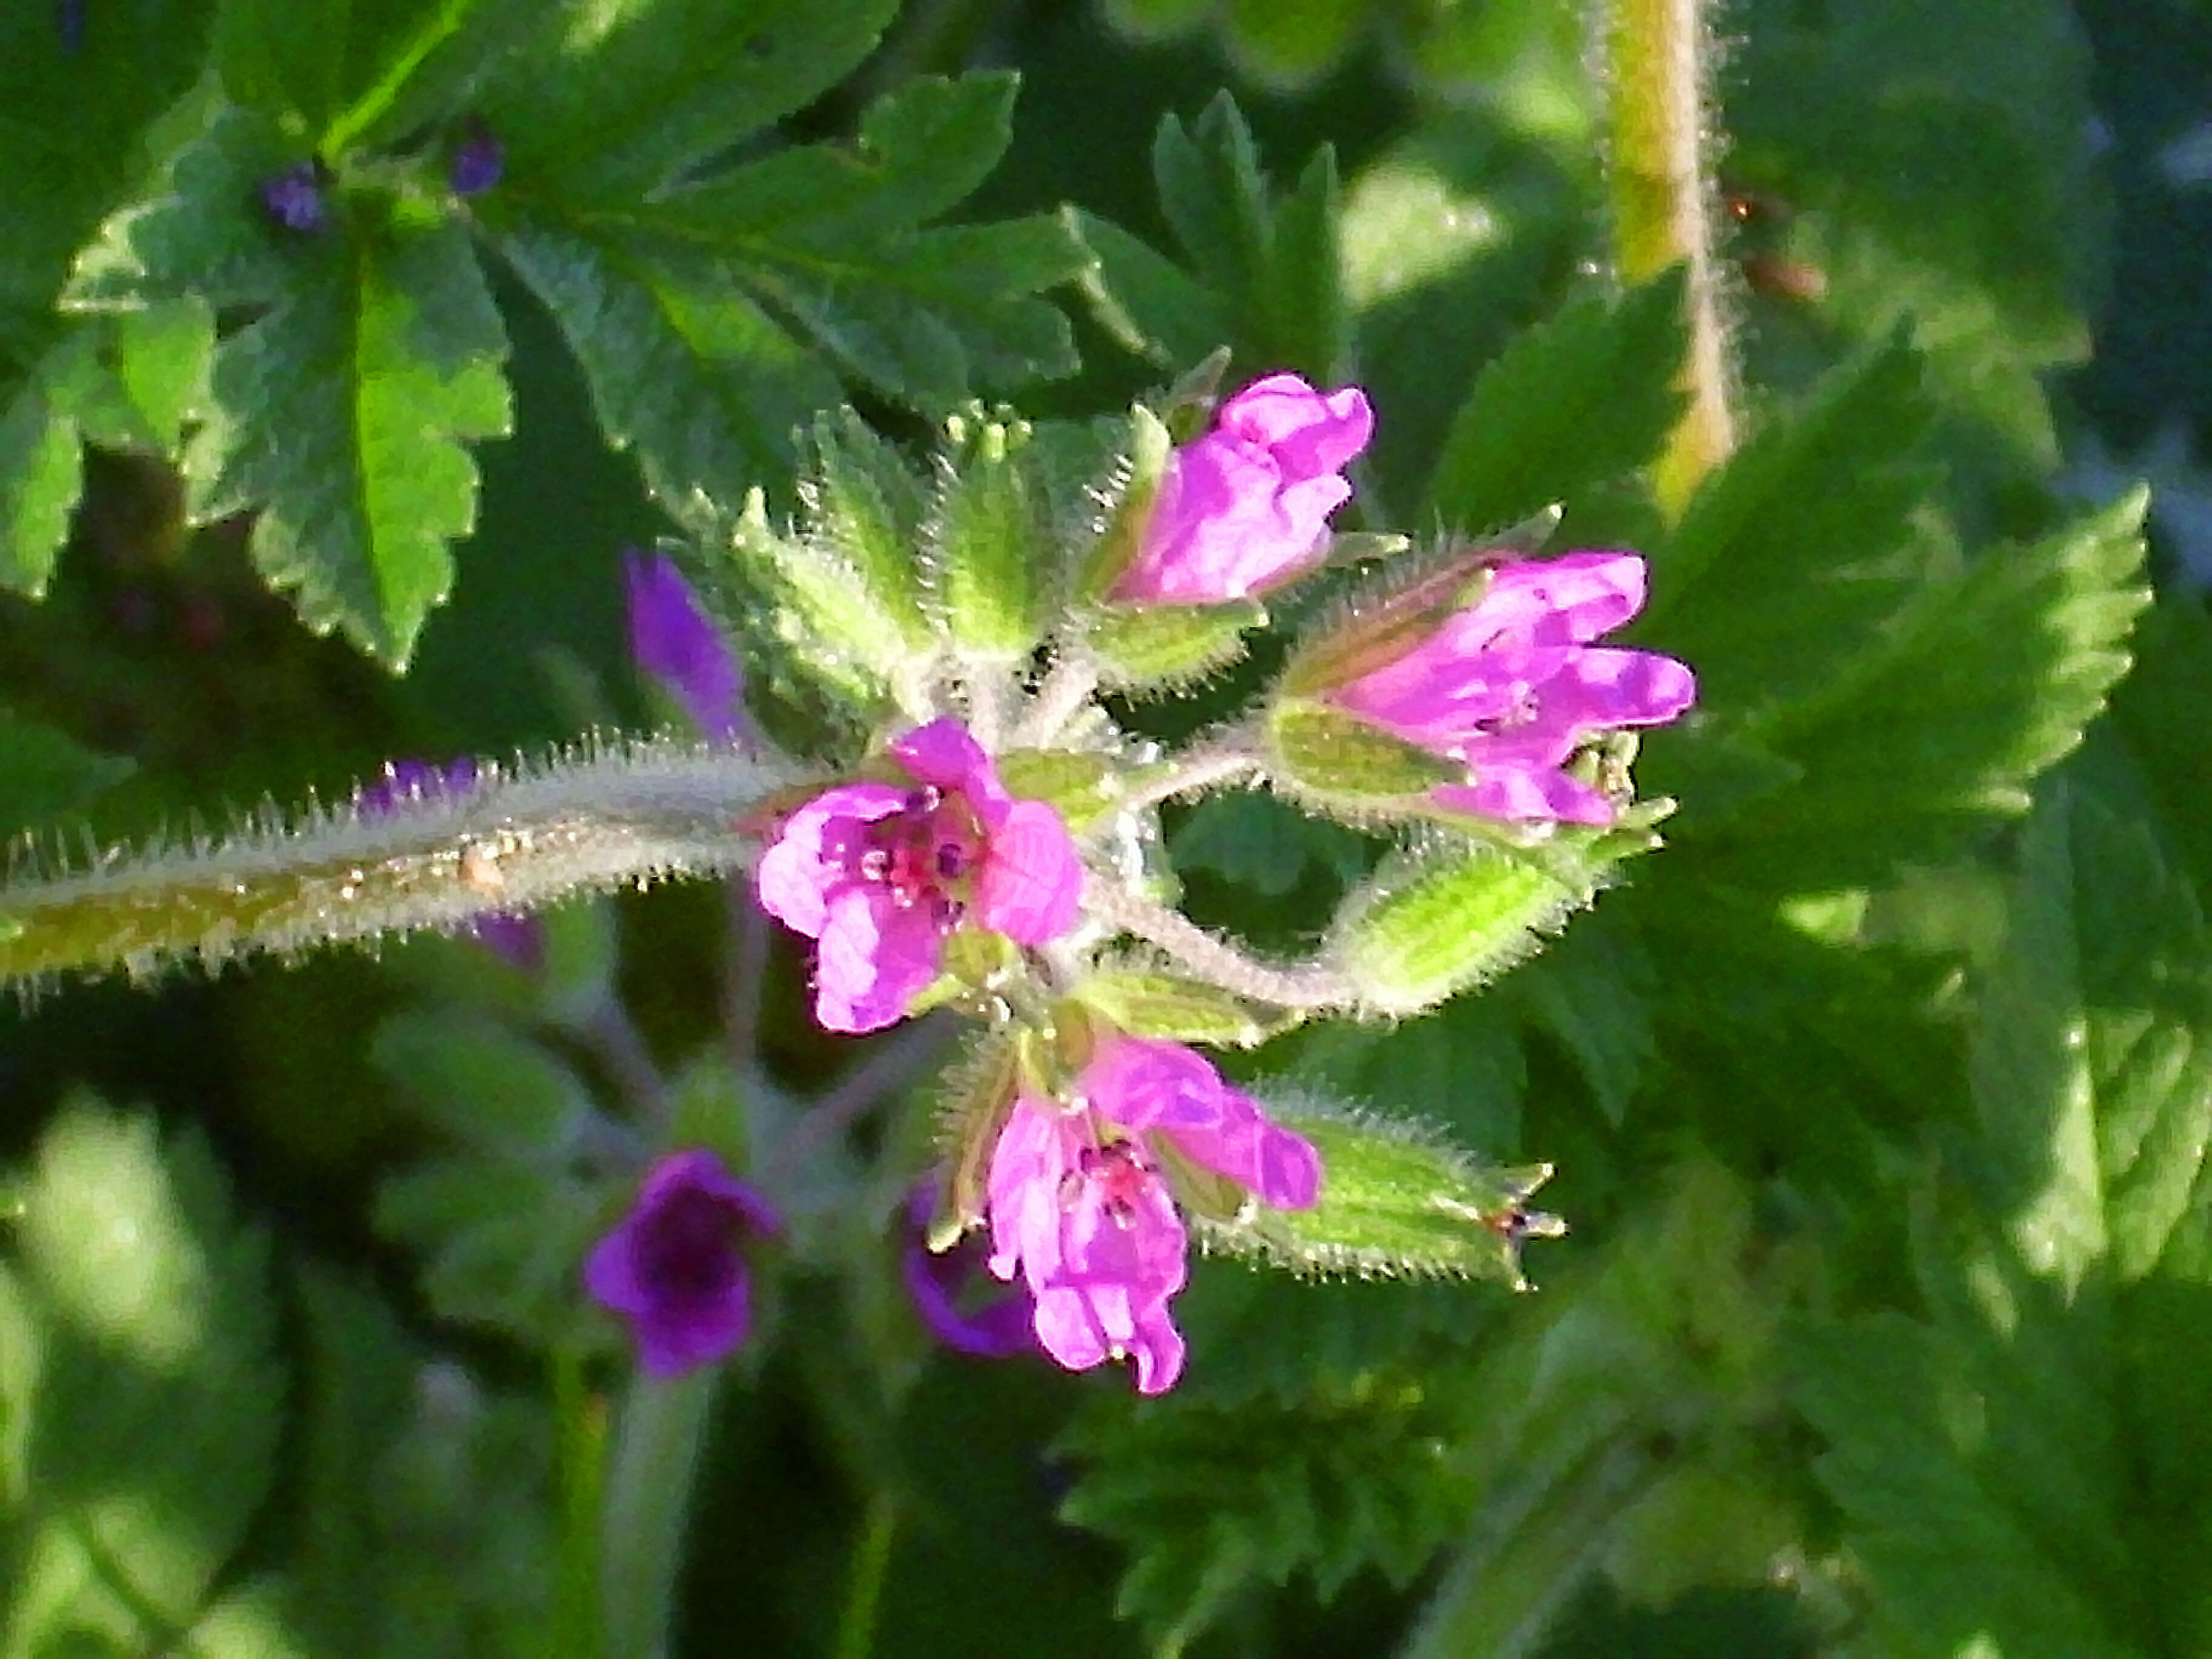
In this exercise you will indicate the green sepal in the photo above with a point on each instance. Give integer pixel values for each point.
(1151, 445)
(1397, 1200)
(1140, 647)
(1436, 920)
(979, 1093)
(1338, 759)
(820, 607)
(707, 1106)
(864, 508)
(984, 542)
(1152, 1002)
(1081, 788)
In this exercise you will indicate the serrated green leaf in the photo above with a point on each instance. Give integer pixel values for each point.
(204, 232)
(1148, 304)
(1994, 674)
(342, 417)
(138, 1367)
(137, 378)
(1584, 399)
(1776, 580)
(502, 1241)
(610, 98)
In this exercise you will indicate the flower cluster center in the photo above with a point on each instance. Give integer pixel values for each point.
(689, 1248)
(923, 854)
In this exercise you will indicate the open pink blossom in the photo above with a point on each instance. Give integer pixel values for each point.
(1079, 1206)
(1246, 507)
(879, 873)
(1512, 686)
(674, 1266)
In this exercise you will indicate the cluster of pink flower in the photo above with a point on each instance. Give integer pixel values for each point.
(1080, 1196)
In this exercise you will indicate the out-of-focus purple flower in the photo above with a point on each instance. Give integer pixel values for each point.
(478, 162)
(293, 198)
(1511, 686)
(675, 1265)
(514, 937)
(1079, 1206)
(879, 874)
(964, 1307)
(1245, 507)
(673, 639)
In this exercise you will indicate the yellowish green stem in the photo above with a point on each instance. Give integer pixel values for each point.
(1659, 56)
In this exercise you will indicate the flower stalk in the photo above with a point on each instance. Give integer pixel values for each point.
(1660, 55)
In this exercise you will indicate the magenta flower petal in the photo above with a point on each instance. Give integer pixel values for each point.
(947, 1289)
(673, 639)
(1512, 687)
(1079, 1206)
(1031, 880)
(880, 875)
(1245, 507)
(674, 1267)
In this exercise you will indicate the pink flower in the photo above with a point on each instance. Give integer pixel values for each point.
(1512, 686)
(1078, 1204)
(879, 874)
(674, 1266)
(1246, 508)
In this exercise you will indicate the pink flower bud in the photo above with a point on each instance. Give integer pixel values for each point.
(1246, 508)
(1511, 686)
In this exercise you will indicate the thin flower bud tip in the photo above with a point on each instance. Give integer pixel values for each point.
(879, 874)
(672, 638)
(293, 198)
(674, 1266)
(479, 160)
(1245, 507)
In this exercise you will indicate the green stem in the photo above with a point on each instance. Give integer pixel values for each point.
(864, 1590)
(581, 1417)
(649, 1482)
(1659, 52)
(607, 815)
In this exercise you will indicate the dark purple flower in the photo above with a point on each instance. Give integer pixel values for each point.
(1080, 1202)
(962, 1305)
(673, 639)
(293, 198)
(514, 937)
(675, 1265)
(880, 874)
(1512, 686)
(1245, 507)
(478, 162)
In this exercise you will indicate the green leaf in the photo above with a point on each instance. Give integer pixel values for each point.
(1994, 674)
(342, 416)
(1266, 267)
(1582, 399)
(41, 475)
(1264, 844)
(1776, 581)
(483, 1082)
(44, 774)
(502, 1241)
(610, 98)
(136, 379)
(362, 70)
(139, 1380)
(703, 317)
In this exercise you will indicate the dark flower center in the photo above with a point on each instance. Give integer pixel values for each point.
(924, 853)
(1118, 1172)
(687, 1249)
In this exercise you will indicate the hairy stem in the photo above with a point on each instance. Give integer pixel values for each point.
(1658, 53)
(1308, 988)
(1199, 768)
(605, 815)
